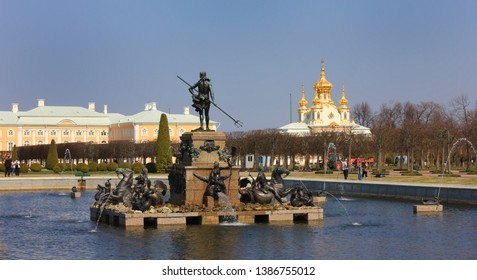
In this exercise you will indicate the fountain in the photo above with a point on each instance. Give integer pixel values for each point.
(202, 178)
(344, 208)
(67, 156)
(452, 149)
(433, 205)
(204, 189)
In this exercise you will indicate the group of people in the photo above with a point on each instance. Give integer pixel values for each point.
(12, 167)
(362, 169)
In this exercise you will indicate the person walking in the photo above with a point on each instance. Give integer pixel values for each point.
(365, 170)
(8, 166)
(344, 168)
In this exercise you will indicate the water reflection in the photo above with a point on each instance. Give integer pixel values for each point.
(51, 225)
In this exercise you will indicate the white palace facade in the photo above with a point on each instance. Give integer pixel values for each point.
(323, 115)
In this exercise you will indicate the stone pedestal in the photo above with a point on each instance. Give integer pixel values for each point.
(199, 151)
(429, 208)
(75, 194)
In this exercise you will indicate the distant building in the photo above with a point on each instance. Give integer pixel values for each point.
(77, 124)
(323, 115)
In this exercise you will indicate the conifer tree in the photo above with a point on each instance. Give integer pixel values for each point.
(52, 158)
(163, 146)
(14, 153)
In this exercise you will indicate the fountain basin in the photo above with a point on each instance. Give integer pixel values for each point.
(306, 214)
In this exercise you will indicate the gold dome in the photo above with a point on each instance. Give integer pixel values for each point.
(323, 85)
(343, 100)
(303, 101)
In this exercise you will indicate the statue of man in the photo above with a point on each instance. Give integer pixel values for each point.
(262, 180)
(202, 99)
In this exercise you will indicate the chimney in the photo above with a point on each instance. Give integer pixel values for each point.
(91, 106)
(41, 102)
(105, 109)
(15, 107)
(186, 110)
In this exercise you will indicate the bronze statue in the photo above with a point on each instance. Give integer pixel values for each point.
(265, 184)
(201, 101)
(139, 196)
(215, 182)
(301, 197)
(205, 93)
(252, 191)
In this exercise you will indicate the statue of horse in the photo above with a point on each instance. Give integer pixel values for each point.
(251, 192)
(103, 193)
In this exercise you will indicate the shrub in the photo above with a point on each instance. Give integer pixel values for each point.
(151, 167)
(102, 166)
(125, 165)
(70, 167)
(83, 167)
(112, 166)
(24, 168)
(137, 167)
(93, 166)
(2, 168)
(61, 165)
(58, 168)
(35, 167)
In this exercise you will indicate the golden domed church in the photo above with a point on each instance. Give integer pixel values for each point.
(323, 114)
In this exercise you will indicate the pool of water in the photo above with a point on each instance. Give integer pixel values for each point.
(53, 226)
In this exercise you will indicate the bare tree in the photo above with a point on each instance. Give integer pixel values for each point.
(362, 114)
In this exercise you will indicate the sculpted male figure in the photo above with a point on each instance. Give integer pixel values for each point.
(202, 99)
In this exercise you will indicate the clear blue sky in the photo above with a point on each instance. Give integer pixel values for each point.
(128, 53)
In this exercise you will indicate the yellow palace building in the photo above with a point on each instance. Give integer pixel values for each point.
(78, 124)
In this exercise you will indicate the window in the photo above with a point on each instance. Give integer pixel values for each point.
(40, 132)
(66, 133)
(104, 133)
(144, 132)
(40, 142)
(170, 132)
(156, 131)
(91, 133)
(10, 146)
(27, 143)
(181, 131)
(11, 133)
(78, 133)
(53, 133)
(26, 132)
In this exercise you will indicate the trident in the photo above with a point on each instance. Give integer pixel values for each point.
(236, 122)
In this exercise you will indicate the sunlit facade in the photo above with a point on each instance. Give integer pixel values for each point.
(323, 115)
(77, 124)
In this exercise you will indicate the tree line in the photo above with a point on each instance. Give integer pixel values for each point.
(428, 134)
